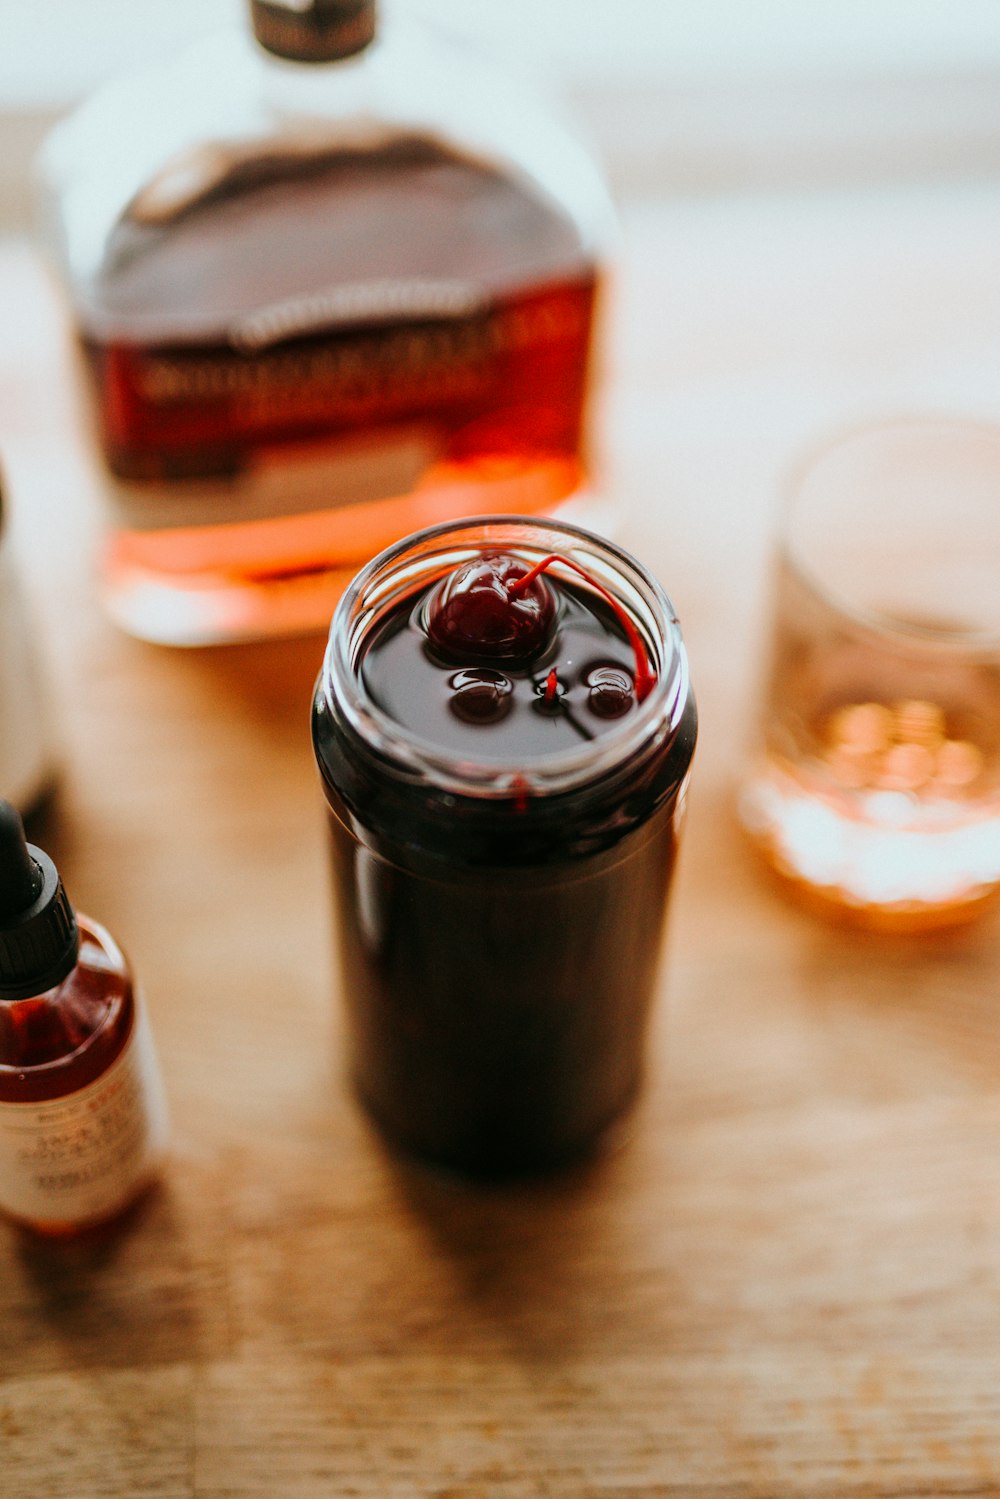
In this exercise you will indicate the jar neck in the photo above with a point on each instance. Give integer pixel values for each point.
(407, 569)
(313, 31)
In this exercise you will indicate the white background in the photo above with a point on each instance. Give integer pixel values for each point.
(680, 95)
(51, 52)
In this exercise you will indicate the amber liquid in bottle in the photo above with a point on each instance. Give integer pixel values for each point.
(310, 357)
(498, 953)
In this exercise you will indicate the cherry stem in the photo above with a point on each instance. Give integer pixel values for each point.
(551, 685)
(645, 676)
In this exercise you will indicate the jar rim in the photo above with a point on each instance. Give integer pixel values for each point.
(386, 579)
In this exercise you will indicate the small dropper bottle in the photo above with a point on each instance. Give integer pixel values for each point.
(82, 1113)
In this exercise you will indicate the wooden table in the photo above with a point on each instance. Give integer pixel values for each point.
(788, 1283)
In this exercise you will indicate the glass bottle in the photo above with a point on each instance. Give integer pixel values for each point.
(82, 1113)
(329, 286)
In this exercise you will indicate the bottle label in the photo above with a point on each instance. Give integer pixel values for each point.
(281, 417)
(84, 1156)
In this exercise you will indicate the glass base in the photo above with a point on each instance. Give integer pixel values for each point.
(888, 861)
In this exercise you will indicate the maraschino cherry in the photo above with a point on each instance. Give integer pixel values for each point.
(475, 612)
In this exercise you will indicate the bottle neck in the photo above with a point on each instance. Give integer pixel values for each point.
(314, 31)
(39, 935)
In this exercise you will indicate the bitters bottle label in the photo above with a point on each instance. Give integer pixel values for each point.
(84, 1156)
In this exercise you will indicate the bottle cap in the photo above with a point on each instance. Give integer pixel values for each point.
(313, 30)
(39, 940)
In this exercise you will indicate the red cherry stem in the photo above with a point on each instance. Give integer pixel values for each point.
(645, 676)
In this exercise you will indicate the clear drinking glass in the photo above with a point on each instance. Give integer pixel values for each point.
(875, 789)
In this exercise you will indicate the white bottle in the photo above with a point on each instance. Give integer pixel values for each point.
(26, 762)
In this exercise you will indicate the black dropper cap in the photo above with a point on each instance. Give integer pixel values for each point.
(313, 30)
(39, 940)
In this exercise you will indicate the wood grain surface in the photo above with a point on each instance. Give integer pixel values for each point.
(788, 1280)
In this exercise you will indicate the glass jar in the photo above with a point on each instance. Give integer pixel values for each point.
(27, 761)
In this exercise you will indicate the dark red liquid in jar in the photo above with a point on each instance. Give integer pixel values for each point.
(425, 693)
(498, 954)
